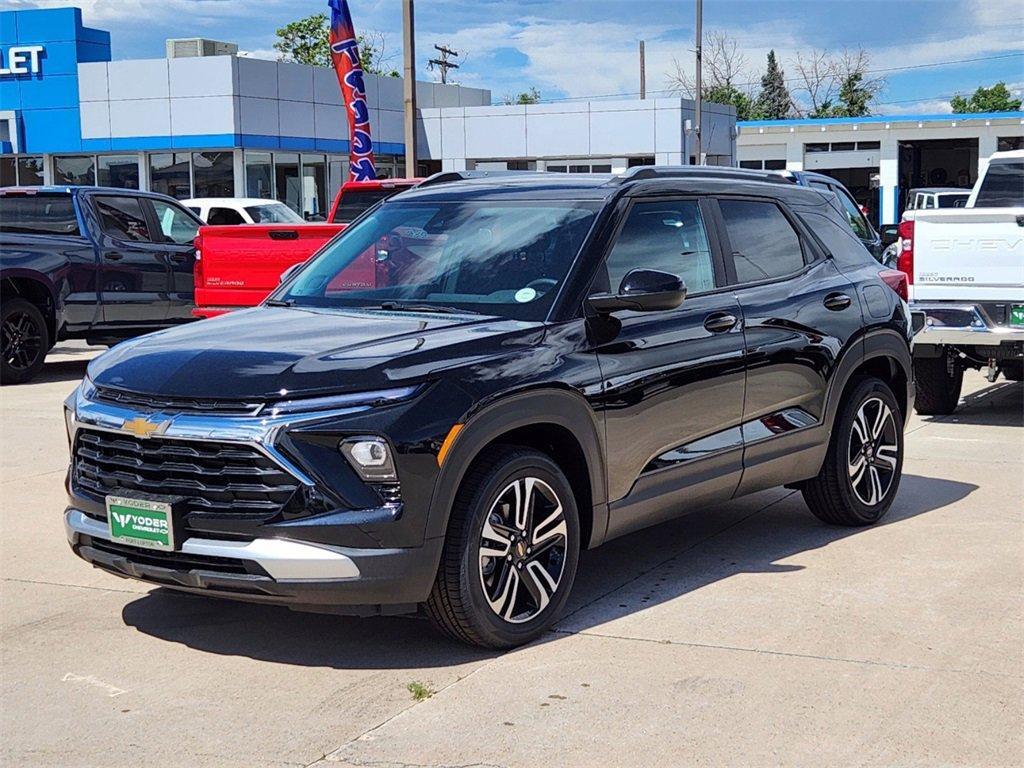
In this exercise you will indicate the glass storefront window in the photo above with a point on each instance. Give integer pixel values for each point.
(286, 177)
(8, 172)
(337, 167)
(259, 175)
(213, 174)
(314, 186)
(78, 170)
(30, 171)
(169, 174)
(121, 171)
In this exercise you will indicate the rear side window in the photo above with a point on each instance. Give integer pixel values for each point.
(837, 239)
(355, 201)
(224, 216)
(122, 217)
(857, 221)
(38, 215)
(1002, 187)
(763, 242)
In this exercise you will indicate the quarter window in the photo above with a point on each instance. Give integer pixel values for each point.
(669, 236)
(764, 243)
(122, 217)
(857, 221)
(225, 216)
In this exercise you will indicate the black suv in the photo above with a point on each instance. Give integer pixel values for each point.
(479, 378)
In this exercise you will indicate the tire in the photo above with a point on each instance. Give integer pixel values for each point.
(513, 596)
(938, 391)
(841, 494)
(24, 339)
(1013, 371)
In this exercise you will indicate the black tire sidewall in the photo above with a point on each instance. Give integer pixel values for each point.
(494, 630)
(865, 390)
(20, 376)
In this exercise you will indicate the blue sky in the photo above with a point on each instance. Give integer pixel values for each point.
(580, 48)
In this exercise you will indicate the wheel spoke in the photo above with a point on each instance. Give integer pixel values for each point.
(550, 527)
(880, 421)
(538, 582)
(876, 485)
(857, 468)
(886, 456)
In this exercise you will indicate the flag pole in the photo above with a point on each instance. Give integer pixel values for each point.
(409, 72)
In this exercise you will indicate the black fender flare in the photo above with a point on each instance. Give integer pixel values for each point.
(562, 407)
(878, 343)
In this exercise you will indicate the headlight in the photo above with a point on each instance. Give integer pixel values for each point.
(331, 402)
(370, 457)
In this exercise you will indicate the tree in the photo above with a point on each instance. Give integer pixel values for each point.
(531, 96)
(722, 78)
(836, 86)
(774, 101)
(307, 41)
(994, 99)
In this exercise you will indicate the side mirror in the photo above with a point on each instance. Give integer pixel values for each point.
(890, 234)
(287, 274)
(643, 290)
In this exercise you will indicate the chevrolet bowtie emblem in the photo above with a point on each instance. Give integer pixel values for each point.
(144, 427)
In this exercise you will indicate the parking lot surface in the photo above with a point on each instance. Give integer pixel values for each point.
(746, 634)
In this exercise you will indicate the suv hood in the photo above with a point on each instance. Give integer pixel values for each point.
(269, 353)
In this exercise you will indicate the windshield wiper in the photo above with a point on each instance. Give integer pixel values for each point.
(440, 309)
(279, 303)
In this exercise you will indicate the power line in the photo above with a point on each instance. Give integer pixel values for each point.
(670, 91)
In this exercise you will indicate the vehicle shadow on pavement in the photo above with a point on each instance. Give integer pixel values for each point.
(666, 561)
(62, 370)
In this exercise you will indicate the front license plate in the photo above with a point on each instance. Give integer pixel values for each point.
(1017, 314)
(140, 522)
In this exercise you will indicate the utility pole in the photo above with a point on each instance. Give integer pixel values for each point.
(697, 100)
(643, 72)
(409, 86)
(442, 63)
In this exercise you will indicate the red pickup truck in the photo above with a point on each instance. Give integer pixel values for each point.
(237, 266)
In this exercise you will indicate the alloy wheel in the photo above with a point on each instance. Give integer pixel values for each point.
(22, 341)
(522, 549)
(874, 452)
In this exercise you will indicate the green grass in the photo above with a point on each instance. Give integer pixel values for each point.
(419, 691)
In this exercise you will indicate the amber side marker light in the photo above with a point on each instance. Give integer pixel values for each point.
(448, 442)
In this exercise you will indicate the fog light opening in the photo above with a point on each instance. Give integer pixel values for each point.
(370, 457)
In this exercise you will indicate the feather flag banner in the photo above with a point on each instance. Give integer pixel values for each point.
(345, 57)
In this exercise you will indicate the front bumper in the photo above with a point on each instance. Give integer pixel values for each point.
(281, 571)
(960, 325)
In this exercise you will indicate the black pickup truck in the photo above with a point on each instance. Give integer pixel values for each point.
(90, 263)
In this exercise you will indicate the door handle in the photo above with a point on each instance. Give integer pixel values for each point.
(113, 256)
(719, 322)
(837, 301)
(179, 257)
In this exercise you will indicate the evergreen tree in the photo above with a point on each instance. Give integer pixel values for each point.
(774, 102)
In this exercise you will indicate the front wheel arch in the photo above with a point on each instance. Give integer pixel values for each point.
(526, 418)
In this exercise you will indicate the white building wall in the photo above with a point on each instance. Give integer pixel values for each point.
(786, 140)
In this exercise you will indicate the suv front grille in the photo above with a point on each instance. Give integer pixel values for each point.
(176, 404)
(217, 478)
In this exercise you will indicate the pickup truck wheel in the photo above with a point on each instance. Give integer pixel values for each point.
(1013, 371)
(25, 341)
(511, 551)
(938, 390)
(864, 462)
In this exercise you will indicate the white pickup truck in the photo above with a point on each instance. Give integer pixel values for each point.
(966, 272)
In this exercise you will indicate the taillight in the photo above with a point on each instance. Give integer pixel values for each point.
(898, 281)
(905, 259)
(198, 278)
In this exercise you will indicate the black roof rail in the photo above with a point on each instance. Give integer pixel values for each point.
(446, 177)
(647, 172)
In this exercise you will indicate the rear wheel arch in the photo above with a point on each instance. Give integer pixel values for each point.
(883, 355)
(558, 423)
(38, 293)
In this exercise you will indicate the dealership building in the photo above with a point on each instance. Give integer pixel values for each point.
(880, 159)
(205, 122)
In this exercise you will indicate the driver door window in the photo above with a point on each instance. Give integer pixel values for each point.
(176, 225)
(669, 236)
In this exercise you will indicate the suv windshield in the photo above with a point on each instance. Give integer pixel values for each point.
(495, 258)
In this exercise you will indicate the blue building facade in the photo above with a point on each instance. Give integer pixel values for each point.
(199, 126)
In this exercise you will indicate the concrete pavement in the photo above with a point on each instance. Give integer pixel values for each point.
(749, 634)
